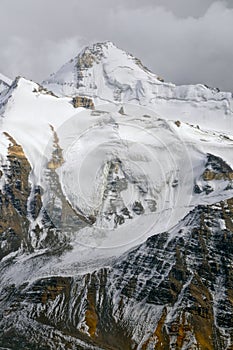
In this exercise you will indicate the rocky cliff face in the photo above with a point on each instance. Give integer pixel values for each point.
(14, 195)
(81, 275)
(172, 292)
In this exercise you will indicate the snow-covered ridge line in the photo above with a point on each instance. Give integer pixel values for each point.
(4, 83)
(5, 79)
(106, 73)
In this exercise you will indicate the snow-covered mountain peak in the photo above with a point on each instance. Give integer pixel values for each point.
(102, 71)
(108, 52)
(108, 74)
(116, 222)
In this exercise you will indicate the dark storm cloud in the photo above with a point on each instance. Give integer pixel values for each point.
(183, 41)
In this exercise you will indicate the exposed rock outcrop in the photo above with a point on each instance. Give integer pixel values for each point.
(81, 101)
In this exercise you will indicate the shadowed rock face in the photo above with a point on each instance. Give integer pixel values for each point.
(13, 198)
(21, 206)
(217, 169)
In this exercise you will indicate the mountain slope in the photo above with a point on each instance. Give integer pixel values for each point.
(172, 292)
(115, 219)
(27, 112)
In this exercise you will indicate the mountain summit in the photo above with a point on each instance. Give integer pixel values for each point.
(100, 70)
(106, 73)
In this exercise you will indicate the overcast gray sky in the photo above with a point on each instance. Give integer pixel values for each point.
(184, 41)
